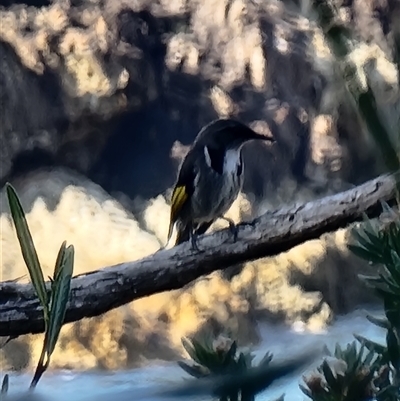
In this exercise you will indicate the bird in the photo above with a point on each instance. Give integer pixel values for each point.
(209, 179)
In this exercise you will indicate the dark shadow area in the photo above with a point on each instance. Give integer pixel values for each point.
(28, 161)
(32, 117)
(137, 159)
(29, 3)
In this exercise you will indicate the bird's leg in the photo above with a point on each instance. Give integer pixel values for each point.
(233, 228)
(193, 239)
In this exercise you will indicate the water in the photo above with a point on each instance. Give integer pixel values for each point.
(144, 383)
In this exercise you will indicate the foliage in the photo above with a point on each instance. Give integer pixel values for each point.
(53, 302)
(342, 42)
(380, 244)
(348, 377)
(221, 357)
(376, 374)
(4, 386)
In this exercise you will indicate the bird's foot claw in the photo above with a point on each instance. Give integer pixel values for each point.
(193, 241)
(234, 229)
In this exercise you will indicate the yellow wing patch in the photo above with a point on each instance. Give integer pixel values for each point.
(178, 199)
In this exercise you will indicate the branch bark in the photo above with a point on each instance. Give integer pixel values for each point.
(95, 293)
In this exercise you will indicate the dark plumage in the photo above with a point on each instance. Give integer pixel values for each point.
(209, 178)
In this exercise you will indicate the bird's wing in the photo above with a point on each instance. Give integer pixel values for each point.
(183, 233)
(182, 192)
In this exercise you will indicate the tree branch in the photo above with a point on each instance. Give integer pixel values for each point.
(95, 293)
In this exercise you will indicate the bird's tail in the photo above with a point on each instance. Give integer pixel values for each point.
(182, 233)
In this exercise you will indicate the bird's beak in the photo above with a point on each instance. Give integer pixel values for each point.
(257, 136)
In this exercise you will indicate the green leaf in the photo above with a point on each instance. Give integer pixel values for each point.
(4, 385)
(365, 254)
(242, 361)
(380, 322)
(358, 356)
(369, 241)
(190, 349)
(393, 234)
(352, 358)
(391, 285)
(374, 236)
(395, 266)
(368, 361)
(306, 391)
(266, 360)
(370, 279)
(28, 248)
(194, 371)
(392, 307)
(385, 294)
(371, 345)
(393, 345)
(229, 357)
(60, 260)
(338, 352)
(59, 298)
(206, 358)
(202, 353)
(329, 377)
(387, 209)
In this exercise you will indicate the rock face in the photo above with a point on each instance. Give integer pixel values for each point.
(99, 101)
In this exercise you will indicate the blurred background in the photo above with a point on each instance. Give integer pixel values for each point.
(100, 100)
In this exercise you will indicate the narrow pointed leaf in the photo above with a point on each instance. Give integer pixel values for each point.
(365, 254)
(393, 345)
(230, 355)
(266, 360)
(4, 385)
(370, 243)
(387, 209)
(28, 248)
(395, 271)
(60, 298)
(329, 377)
(371, 345)
(380, 322)
(202, 355)
(194, 371)
(59, 260)
(209, 359)
(375, 239)
(369, 358)
(358, 356)
(190, 349)
(305, 390)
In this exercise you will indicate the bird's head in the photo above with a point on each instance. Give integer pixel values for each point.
(228, 134)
